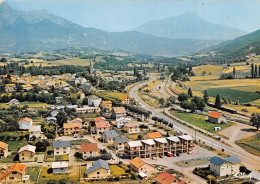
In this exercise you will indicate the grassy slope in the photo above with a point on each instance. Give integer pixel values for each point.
(251, 144)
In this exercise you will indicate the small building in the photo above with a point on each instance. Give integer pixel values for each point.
(87, 109)
(165, 178)
(224, 166)
(99, 169)
(125, 100)
(106, 105)
(81, 95)
(94, 101)
(76, 120)
(61, 147)
(101, 126)
(35, 131)
(109, 136)
(153, 135)
(121, 121)
(13, 102)
(51, 120)
(120, 142)
(59, 167)
(27, 153)
(118, 112)
(132, 128)
(3, 149)
(89, 150)
(71, 128)
(141, 166)
(216, 117)
(25, 123)
(15, 174)
(254, 176)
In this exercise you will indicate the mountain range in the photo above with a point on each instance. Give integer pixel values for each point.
(27, 31)
(189, 26)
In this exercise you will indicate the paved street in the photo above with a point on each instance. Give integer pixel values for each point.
(248, 159)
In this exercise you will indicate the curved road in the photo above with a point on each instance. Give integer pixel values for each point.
(249, 160)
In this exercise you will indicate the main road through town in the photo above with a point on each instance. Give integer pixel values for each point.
(249, 160)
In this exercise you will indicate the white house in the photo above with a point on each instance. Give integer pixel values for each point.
(35, 130)
(25, 123)
(59, 167)
(224, 166)
(121, 121)
(61, 147)
(93, 100)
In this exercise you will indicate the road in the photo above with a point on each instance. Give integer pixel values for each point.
(251, 161)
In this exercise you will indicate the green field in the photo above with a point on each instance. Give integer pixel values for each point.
(33, 172)
(199, 121)
(192, 162)
(234, 94)
(15, 145)
(251, 144)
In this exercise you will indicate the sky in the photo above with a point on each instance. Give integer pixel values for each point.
(125, 15)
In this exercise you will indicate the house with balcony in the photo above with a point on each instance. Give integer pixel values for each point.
(118, 112)
(101, 126)
(35, 131)
(109, 135)
(121, 121)
(120, 142)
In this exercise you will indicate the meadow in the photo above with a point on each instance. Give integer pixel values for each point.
(251, 144)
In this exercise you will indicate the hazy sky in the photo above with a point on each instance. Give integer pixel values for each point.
(122, 15)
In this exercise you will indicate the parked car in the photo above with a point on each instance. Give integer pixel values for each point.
(169, 154)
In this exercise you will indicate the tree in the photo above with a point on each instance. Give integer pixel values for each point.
(139, 136)
(255, 75)
(19, 87)
(255, 120)
(171, 99)
(162, 101)
(252, 70)
(61, 118)
(199, 102)
(206, 97)
(234, 71)
(218, 101)
(190, 92)
(183, 97)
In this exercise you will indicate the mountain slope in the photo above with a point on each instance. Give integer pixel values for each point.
(189, 26)
(40, 30)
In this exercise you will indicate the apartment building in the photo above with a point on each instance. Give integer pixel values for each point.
(159, 147)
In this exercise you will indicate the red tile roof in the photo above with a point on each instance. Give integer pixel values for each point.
(165, 178)
(16, 167)
(102, 124)
(3, 145)
(99, 118)
(89, 147)
(25, 119)
(123, 98)
(153, 135)
(182, 182)
(214, 114)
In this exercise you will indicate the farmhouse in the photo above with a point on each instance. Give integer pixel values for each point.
(13, 102)
(99, 169)
(109, 136)
(224, 166)
(132, 128)
(61, 147)
(26, 153)
(216, 117)
(87, 109)
(3, 149)
(59, 167)
(25, 123)
(15, 174)
(141, 166)
(118, 112)
(89, 150)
